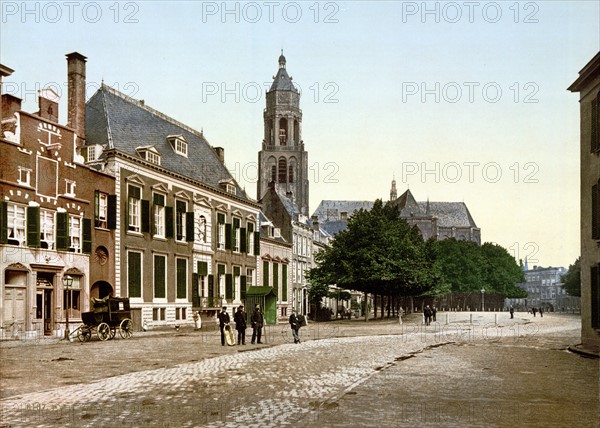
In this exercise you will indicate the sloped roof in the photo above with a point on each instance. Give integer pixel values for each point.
(117, 121)
(451, 214)
(329, 210)
(409, 206)
(282, 81)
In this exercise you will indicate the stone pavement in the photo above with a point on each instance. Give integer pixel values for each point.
(348, 373)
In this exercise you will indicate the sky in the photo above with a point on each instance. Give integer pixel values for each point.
(458, 101)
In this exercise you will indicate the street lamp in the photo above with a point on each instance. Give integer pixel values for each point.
(68, 282)
(482, 300)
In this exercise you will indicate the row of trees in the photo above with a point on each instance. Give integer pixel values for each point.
(379, 253)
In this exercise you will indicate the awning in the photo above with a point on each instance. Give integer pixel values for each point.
(260, 291)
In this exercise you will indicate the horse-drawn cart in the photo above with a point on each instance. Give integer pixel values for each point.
(107, 315)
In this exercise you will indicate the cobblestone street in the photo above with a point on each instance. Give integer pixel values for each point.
(345, 373)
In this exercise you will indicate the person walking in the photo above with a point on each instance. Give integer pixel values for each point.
(512, 312)
(240, 324)
(534, 310)
(295, 325)
(541, 312)
(223, 320)
(257, 319)
(427, 315)
(433, 312)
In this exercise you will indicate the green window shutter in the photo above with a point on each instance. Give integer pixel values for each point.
(228, 286)
(62, 231)
(276, 277)
(265, 273)
(195, 294)
(243, 241)
(145, 216)
(134, 277)
(169, 230)
(284, 290)
(256, 243)
(211, 290)
(159, 276)
(33, 227)
(595, 289)
(595, 130)
(595, 213)
(87, 236)
(112, 212)
(202, 268)
(181, 278)
(228, 239)
(3, 222)
(189, 226)
(243, 287)
(96, 208)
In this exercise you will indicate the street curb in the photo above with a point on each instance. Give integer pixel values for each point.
(577, 349)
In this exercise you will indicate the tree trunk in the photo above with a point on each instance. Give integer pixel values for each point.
(412, 304)
(366, 306)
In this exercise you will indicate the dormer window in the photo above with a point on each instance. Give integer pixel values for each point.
(228, 186)
(179, 144)
(91, 153)
(150, 154)
(230, 189)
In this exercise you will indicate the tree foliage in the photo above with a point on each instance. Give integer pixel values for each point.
(572, 279)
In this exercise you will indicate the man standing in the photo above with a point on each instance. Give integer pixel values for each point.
(258, 321)
(240, 324)
(512, 312)
(223, 320)
(295, 324)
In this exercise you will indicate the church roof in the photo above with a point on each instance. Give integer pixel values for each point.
(117, 121)
(282, 81)
(330, 210)
(451, 214)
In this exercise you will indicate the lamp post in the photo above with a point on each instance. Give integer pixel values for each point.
(67, 282)
(482, 300)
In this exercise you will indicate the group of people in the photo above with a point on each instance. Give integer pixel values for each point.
(535, 310)
(429, 313)
(257, 320)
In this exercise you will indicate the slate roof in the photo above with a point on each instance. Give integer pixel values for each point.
(329, 211)
(282, 81)
(117, 121)
(451, 214)
(409, 206)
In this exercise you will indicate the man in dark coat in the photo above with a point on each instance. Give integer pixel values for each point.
(427, 314)
(257, 319)
(240, 324)
(512, 312)
(223, 320)
(295, 325)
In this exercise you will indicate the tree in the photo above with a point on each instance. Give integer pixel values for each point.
(572, 279)
(501, 272)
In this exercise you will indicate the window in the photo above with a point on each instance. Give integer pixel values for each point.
(236, 281)
(101, 210)
(72, 296)
(181, 278)
(69, 187)
(265, 273)
(284, 282)
(160, 280)
(276, 276)
(595, 124)
(236, 234)
(180, 209)
(135, 199)
(47, 229)
(153, 157)
(134, 273)
(179, 144)
(24, 176)
(290, 174)
(249, 277)
(75, 233)
(221, 280)
(230, 188)
(251, 238)
(16, 224)
(221, 231)
(91, 153)
(595, 212)
(158, 201)
(273, 173)
(282, 170)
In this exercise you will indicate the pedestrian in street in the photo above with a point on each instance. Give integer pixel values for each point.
(400, 313)
(257, 319)
(433, 312)
(240, 324)
(295, 325)
(534, 310)
(223, 321)
(512, 312)
(541, 312)
(427, 315)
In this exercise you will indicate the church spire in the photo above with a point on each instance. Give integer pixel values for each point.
(281, 60)
(393, 191)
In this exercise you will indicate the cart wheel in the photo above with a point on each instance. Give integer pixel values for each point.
(103, 331)
(84, 334)
(113, 332)
(126, 328)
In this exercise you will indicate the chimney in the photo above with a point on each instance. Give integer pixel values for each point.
(315, 222)
(220, 151)
(4, 108)
(10, 105)
(76, 82)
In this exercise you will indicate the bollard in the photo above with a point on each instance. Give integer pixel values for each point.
(471, 319)
(446, 319)
(496, 319)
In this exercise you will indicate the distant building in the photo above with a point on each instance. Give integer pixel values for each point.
(588, 86)
(438, 220)
(545, 290)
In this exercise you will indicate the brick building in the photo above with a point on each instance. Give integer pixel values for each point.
(55, 213)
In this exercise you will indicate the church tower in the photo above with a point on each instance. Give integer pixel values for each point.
(393, 191)
(283, 160)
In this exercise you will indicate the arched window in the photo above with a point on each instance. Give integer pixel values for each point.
(270, 132)
(282, 170)
(296, 132)
(283, 131)
(273, 173)
(291, 174)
